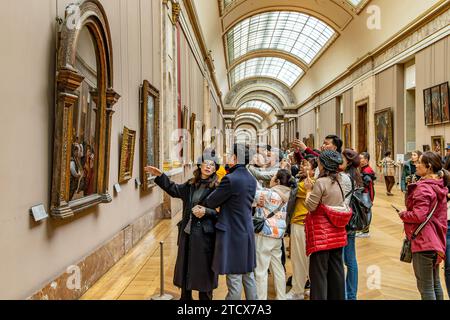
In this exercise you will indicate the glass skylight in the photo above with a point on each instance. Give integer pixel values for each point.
(355, 3)
(261, 105)
(227, 3)
(252, 116)
(302, 35)
(272, 67)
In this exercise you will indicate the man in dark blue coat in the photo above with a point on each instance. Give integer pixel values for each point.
(235, 253)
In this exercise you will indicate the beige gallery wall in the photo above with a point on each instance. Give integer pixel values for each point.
(33, 254)
(432, 68)
(357, 40)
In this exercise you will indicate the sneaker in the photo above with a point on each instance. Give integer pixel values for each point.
(294, 296)
(363, 235)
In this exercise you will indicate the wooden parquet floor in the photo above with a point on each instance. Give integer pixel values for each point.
(381, 275)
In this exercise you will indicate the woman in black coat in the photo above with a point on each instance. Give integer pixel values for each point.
(196, 230)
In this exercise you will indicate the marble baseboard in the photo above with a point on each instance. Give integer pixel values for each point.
(77, 279)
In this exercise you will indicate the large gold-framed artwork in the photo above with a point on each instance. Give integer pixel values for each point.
(127, 155)
(384, 133)
(438, 145)
(192, 132)
(436, 105)
(85, 97)
(347, 135)
(150, 129)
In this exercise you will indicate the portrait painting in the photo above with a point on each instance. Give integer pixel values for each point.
(149, 133)
(347, 135)
(384, 133)
(438, 145)
(436, 105)
(127, 155)
(427, 107)
(444, 91)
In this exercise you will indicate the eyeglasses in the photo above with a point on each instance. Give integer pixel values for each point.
(208, 164)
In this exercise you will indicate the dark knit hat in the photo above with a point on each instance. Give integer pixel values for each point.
(352, 157)
(209, 155)
(330, 160)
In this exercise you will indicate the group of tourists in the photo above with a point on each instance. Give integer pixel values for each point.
(239, 218)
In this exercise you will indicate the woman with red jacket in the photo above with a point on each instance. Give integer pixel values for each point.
(428, 248)
(325, 229)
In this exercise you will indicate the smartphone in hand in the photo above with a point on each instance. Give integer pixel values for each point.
(396, 209)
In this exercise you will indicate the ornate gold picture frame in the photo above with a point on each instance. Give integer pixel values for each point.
(150, 128)
(85, 97)
(127, 155)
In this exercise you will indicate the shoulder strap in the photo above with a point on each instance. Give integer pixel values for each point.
(342, 191)
(420, 228)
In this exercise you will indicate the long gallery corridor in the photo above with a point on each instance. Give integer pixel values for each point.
(226, 122)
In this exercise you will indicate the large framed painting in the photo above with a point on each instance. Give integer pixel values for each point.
(427, 107)
(384, 133)
(127, 155)
(436, 105)
(438, 145)
(85, 97)
(444, 91)
(192, 132)
(149, 133)
(347, 135)
(198, 140)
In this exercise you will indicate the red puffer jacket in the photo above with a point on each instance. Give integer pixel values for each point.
(325, 229)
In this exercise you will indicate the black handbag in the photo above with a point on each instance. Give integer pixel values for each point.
(258, 223)
(406, 253)
(360, 208)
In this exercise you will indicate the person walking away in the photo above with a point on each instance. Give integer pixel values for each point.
(299, 259)
(351, 168)
(368, 177)
(428, 196)
(196, 233)
(409, 173)
(269, 240)
(325, 229)
(388, 166)
(234, 253)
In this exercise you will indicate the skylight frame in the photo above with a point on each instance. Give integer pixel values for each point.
(257, 104)
(299, 34)
(271, 67)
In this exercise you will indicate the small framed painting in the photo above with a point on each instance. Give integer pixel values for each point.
(127, 155)
(347, 135)
(438, 145)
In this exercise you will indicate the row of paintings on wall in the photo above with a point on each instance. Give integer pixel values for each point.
(436, 105)
(150, 129)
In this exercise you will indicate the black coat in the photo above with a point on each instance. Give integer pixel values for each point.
(195, 251)
(235, 239)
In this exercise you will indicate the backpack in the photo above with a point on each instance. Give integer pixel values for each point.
(361, 208)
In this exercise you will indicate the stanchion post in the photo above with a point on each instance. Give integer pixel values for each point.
(162, 295)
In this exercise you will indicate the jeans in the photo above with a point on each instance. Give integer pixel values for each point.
(235, 282)
(447, 261)
(326, 273)
(351, 282)
(369, 215)
(427, 275)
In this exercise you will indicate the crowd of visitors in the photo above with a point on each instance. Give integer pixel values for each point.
(239, 217)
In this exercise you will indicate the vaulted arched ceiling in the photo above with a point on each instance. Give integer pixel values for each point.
(268, 45)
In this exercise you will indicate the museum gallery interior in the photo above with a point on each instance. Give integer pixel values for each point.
(95, 91)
